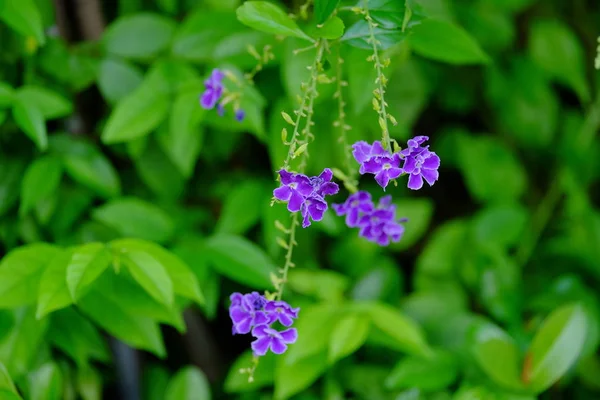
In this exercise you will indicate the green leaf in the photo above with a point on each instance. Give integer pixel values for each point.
(86, 264)
(20, 272)
(492, 171)
(188, 384)
(184, 281)
(498, 356)
(555, 347)
(322, 284)
(323, 9)
(183, 140)
(6, 394)
(263, 376)
(24, 18)
(86, 165)
(31, 120)
(6, 381)
(46, 383)
(117, 78)
(428, 374)
(40, 182)
(332, 29)
(347, 336)
(446, 42)
(501, 224)
(142, 35)
(136, 218)
(7, 94)
(159, 173)
(50, 104)
(267, 17)
(138, 331)
(359, 35)
(137, 114)
(401, 330)
(154, 382)
(11, 176)
(242, 208)
(295, 377)
(150, 274)
(53, 293)
(419, 213)
(89, 383)
(241, 260)
(558, 51)
(77, 337)
(315, 325)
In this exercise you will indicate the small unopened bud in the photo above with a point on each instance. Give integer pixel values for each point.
(287, 118)
(300, 150)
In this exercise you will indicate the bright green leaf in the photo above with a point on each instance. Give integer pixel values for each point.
(51, 104)
(136, 218)
(263, 376)
(40, 182)
(323, 9)
(322, 284)
(6, 381)
(53, 293)
(426, 373)
(150, 274)
(502, 224)
(555, 347)
(141, 35)
(332, 29)
(315, 325)
(295, 377)
(24, 17)
(117, 78)
(89, 383)
(241, 260)
(189, 383)
(446, 42)
(242, 208)
(267, 17)
(7, 94)
(347, 336)
(86, 264)
(359, 35)
(31, 120)
(46, 383)
(20, 273)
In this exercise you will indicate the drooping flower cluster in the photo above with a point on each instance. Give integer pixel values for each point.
(254, 313)
(305, 194)
(377, 224)
(213, 92)
(419, 162)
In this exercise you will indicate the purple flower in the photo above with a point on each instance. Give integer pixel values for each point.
(239, 115)
(374, 159)
(282, 312)
(214, 89)
(355, 204)
(268, 338)
(247, 312)
(377, 224)
(420, 163)
(305, 194)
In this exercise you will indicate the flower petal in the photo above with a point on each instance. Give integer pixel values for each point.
(430, 175)
(433, 162)
(286, 176)
(326, 175)
(261, 346)
(409, 164)
(277, 346)
(329, 189)
(260, 318)
(296, 202)
(282, 193)
(244, 326)
(415, 181)
(382, 178)
(289, 335)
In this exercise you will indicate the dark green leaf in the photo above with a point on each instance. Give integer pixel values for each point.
(50, 104)
(242, 207)
(11, 175)
(53, 293)
(7, 94)
(428, 374)
(77, 337)
(86, 264)
(23, 17)
(555, 347)
(20, 273)
(347, 336)
(263, 376)
(159, 173)
(40, 182)
(446, 42)
(359, 35)
(292, 378)
(188, 384)
(136, 218)
(89, 383)
(315, 325)
(30, 119)
(241, 260)
(502, 224)
(46, 383)
(323, 9)
(419, 213)
(142, 35)
(267, 17)
(117, 78)
(154, 382)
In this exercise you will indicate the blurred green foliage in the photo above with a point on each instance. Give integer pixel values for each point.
(124, 203)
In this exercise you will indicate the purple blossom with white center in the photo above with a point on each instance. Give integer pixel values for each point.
(247, 312)
(377, 224)
(374, 159)
(355, 205)
(269, 338)
(214, 89)
(282, 312)
(305, 194)
(420, 163)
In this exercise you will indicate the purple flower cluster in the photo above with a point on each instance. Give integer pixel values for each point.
(305, 194)
(253, 313)
(376, 224)
(213, 93)
(419, 162)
